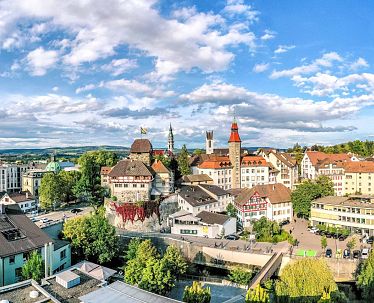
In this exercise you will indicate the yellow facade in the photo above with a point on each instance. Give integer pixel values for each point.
(359, 183)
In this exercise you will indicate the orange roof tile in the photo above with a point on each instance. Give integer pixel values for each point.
(253, 161)
(316, 156)
(359, 167)
(159, 167)
(234, 136)
(215, 162)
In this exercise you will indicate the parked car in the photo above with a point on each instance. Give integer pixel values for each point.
(232, 237)
(45, 220)
(313, 229)
(342, 238)
(365, 253)
(370, 240)
(285, 222)
(33, 219)
(328, 253)
(76, 210)
(328, 235)
(346, 253)
(356, 254)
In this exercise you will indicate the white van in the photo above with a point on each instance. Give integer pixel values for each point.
(365, 253)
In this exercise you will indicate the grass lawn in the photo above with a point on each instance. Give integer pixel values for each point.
(307, 253)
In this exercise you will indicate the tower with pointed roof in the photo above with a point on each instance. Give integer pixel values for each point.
(170, 140)
(235, 144)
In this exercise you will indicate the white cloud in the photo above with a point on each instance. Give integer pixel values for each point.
(359, 63)
(326, 60)
(261, 67)
(268, 35)
(120, 66)
(55, 88)
(40, 60)
(201, 40)
(238, 7)
(283, 49)
(273, 111)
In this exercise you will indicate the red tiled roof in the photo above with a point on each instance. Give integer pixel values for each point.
(316, 156)
(141, 146)
(105, 170)
(158, 152)
(159, 167)
(276, 193)
(130, 168)
(234, 136)
(359, 167)
(253, 161)
(214, 162)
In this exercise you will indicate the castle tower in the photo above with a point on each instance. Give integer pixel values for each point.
(170, 140)
(209, 147)
(234, 155)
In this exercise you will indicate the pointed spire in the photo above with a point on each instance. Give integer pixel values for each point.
(170, 128)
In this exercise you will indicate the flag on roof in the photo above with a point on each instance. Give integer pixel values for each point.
(143, 131)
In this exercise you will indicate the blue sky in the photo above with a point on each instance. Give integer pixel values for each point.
(92, 72)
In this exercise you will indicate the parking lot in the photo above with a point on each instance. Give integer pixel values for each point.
(66, 213)
(310, 241)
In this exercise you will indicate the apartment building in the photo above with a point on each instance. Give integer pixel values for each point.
(312, 158)
(31, 181)
(11, 177)
(272, 201)
(355, 212)
(284, 168)
(24, 199)
(335, 171)
(255, 171)
(219, 168)
(359, 178)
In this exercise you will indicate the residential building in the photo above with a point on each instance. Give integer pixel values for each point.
(141, 150)
(335, 171)
(24, 199)
(219, 168)
(31, 181)
(359, 178)
(254, 171)
(285, 167)
(204, 224)
(312, 158)
(355, 212)
(104, 173)
(11, 176)
(195, 199)
(272, 201)
(18, 238)
(130, 181)
(163, 182)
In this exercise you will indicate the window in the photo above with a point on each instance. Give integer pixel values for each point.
(63, 254)
(12, 259)
(143, 185)
(134, 185)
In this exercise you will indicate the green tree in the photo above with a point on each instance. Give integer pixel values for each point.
(93, 236)
(156, 277)
(365, 279)
(132, 248)
(68, 181)
(351, 244)
(174, 261)
(240, 276)
(198, 152)
(305, 281)
(266, 229)
(323, 242)
(196, 293)
(183, 158)
(257, 295)
(51, 191)
(231, 210)
(33, 268)
(308, 191)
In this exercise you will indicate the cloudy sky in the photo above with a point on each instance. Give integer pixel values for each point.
(81, 72)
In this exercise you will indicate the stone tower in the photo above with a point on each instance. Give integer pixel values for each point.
(170, 140)
(235, 145)
(209, 147)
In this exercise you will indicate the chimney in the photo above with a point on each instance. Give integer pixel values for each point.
(2, 208)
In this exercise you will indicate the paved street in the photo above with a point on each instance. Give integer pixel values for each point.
(59, 215)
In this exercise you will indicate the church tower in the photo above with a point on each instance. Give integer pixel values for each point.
(209, 148)
(170, 140)
(235, 145)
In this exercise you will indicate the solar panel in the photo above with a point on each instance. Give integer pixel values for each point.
(13, 234)
(5, 223)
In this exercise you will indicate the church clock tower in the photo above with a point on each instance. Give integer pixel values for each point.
(170, 140)
(235, 145)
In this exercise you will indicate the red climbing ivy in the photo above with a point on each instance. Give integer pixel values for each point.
(134, 212)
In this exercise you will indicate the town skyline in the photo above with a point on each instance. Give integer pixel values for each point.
(70, 77)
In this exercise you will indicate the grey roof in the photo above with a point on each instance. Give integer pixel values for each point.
(197, 178)
(212, 218)
(130, 168)
(195, 196)
(120, 292)
(31, 236)
(214, 189)
(67, 276)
